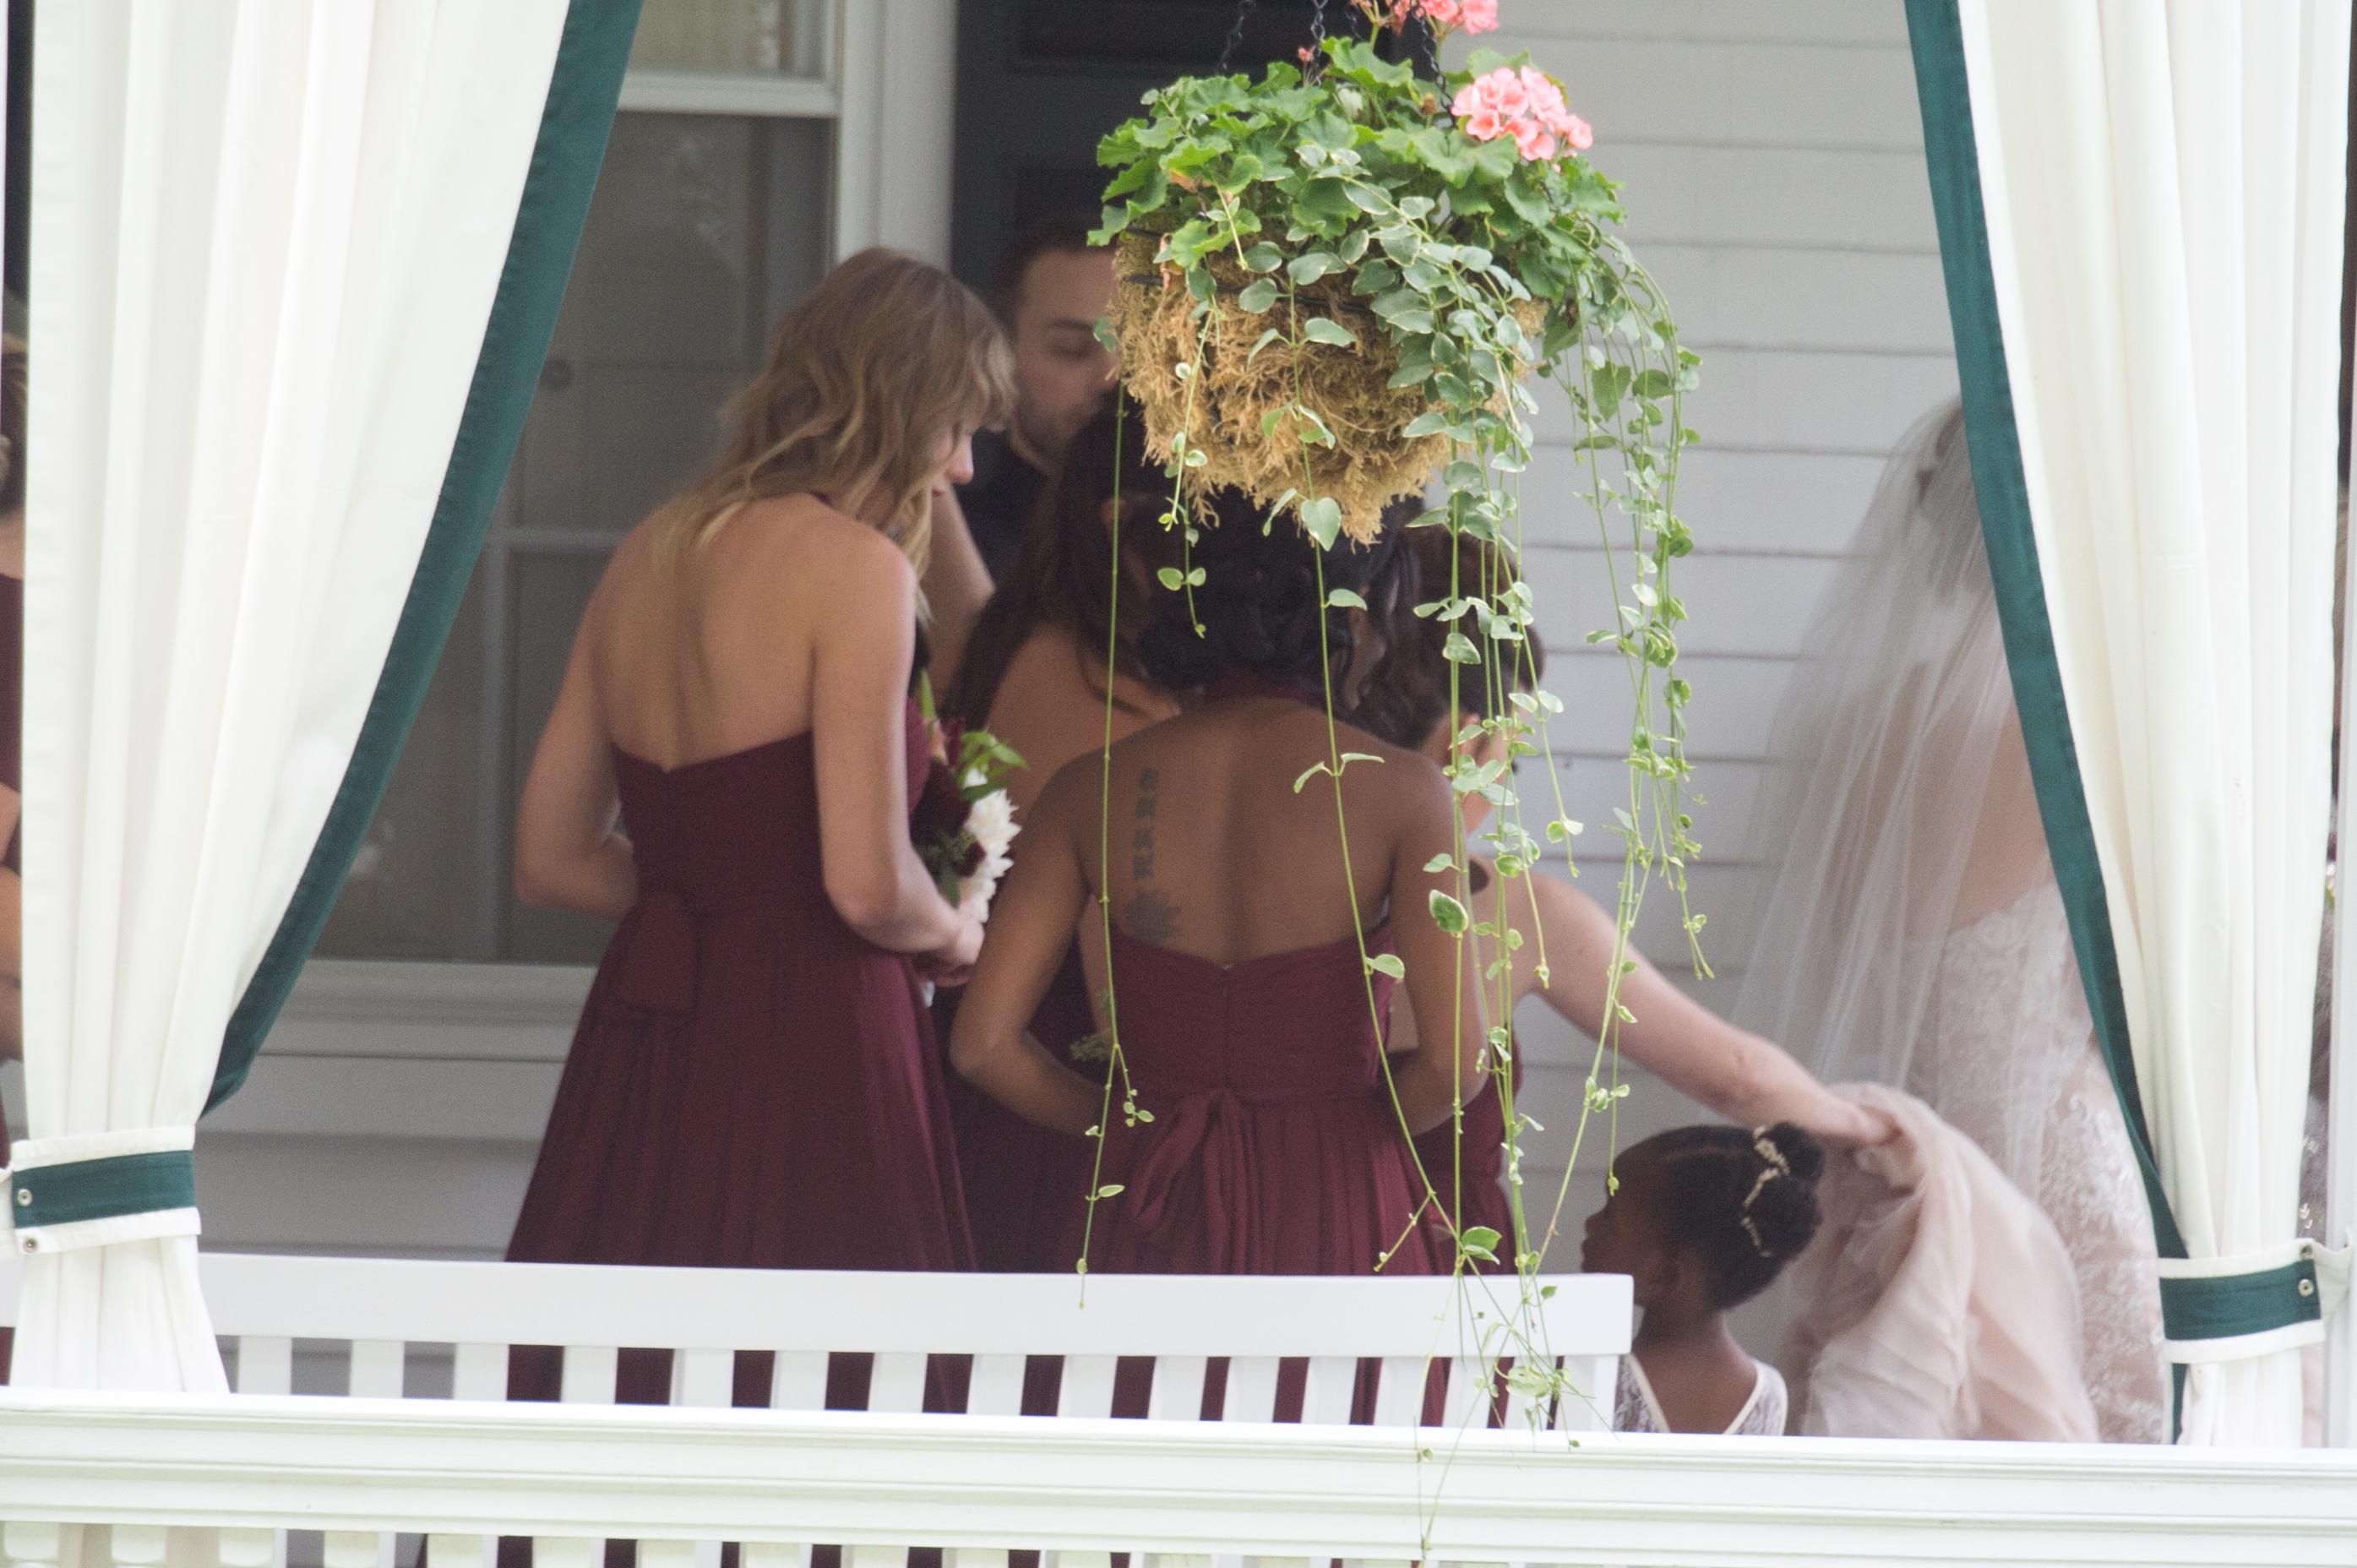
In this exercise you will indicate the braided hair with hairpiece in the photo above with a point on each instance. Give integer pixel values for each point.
(1745, 1200)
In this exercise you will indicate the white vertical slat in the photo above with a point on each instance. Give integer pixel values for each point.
(240, 1548)
(136, 1545)
(668, 1553)
(377, 1368)
(1088, 1386)
(897, 1386)
(1326, 1395)
(996, 1386)
(355, 1549)
(774, 1553)
(377, 1371)
(1278, 1561)
(703, 1379)
(567, 1552)
(458, 1551)
(1177, 1559)
(1519, 1407)
(479, 1372)
(1177, 1388)
(589, 1371)
(799, 1383)
(875, 1556)
(30, 1544)
(1399, 1396)
(1587, 1405)
(1252, 1389)
(976, 1557)
(1080, 1560)
(266, 1364)
(1467, 1406)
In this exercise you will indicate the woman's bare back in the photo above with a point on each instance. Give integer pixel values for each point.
(1213, 851)
(715, 653)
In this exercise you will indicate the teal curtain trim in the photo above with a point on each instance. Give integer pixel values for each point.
(1952, 155)
(2235, 1305)
(103, 1190)
(583, 90)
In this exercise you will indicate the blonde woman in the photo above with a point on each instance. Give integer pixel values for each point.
(727, 772)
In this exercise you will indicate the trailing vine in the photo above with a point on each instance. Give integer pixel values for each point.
(1337, 283)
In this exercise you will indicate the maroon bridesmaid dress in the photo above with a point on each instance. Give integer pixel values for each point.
(1022, 1180)
(752, 1084)
(1485, 1162)
(12, 774)
(1274, 1148)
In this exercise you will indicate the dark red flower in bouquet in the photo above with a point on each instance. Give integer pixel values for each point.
(940, 810)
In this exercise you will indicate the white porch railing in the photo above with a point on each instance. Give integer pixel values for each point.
(458, 1473)
(343, 1480)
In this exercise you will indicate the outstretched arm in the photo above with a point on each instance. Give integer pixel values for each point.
(568, 853)
(1734, 1072)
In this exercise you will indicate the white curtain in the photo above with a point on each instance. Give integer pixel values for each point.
(265, 240)
(2163, 184)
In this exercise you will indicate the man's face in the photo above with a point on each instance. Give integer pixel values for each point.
(1061, 371)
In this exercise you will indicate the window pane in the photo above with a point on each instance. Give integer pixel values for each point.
(703, 230)
(410, 894)
(730, 36)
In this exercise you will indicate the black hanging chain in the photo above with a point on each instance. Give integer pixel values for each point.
(1432, 48)
(1243, 12)
(1235, 34)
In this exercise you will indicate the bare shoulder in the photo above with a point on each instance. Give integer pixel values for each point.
(1073, 798)
(841, 571)
(1392, 775)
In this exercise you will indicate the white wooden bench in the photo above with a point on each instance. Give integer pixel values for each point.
(384, 1327)
(374, 1329)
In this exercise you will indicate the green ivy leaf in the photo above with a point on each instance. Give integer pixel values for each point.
(1440, 863)
(1263, 258)
(1448, 913)
(1172, 578)
(1258, 295)
(1322, 520)
(1478, 1241)
(1432, 422)
(1344, 599)
(1308, 268)
(1460, 649)
(1386, 964)
(1324, 329)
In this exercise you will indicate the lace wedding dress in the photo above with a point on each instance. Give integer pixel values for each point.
(2006, 1027)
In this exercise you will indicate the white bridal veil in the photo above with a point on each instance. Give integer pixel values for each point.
(1909, 932)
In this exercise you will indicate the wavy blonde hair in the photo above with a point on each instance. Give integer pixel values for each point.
(865, 377)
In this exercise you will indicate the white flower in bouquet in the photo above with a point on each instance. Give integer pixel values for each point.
(990, 819)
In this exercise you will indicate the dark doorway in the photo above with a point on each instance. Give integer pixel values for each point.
(1040, 81)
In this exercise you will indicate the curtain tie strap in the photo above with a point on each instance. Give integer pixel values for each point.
(2253, 1303)
(96, 1189)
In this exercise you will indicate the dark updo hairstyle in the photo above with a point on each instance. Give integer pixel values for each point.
(1744, 1200)
(1062, 576)
(1408, 695)
(1259, 604)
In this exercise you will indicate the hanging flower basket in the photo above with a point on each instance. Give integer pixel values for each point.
(1332, 285)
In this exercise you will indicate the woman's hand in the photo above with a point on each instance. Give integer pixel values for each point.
(951, 965)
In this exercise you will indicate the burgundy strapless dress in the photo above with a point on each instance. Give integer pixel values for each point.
(752, 1084)
(1023, 1181)
(1485, 1163)
(1274, 1147)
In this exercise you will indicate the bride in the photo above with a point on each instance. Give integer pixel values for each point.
(1913, 933)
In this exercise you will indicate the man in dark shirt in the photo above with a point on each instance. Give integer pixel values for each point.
(1050, 290)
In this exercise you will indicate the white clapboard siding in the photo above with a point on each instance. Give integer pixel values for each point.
(1849, 24)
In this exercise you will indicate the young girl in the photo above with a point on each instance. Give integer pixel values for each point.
(727, 772)
(1704, 1219)
(1237, 916)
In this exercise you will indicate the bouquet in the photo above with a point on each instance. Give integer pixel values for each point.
(961, 822)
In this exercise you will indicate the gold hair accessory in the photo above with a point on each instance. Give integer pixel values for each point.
(1771, 1165)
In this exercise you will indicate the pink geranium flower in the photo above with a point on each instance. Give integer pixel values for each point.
(1525, 104)
(1479, 16)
